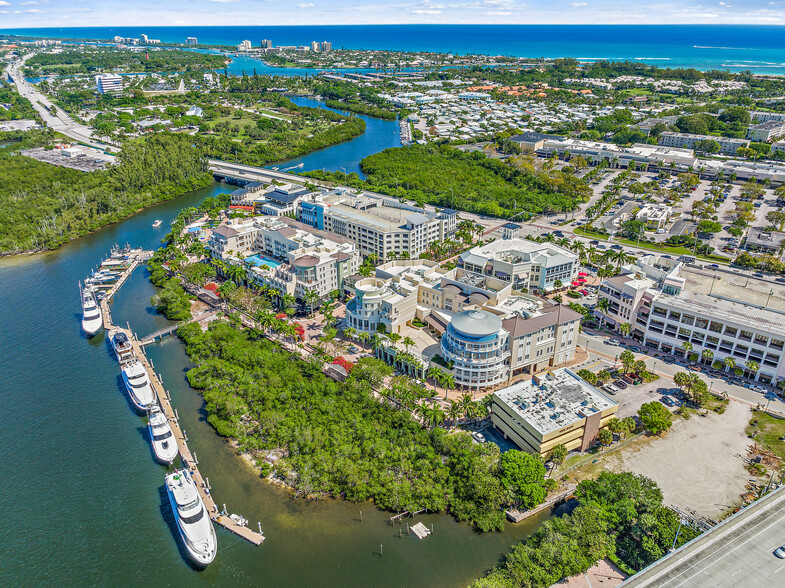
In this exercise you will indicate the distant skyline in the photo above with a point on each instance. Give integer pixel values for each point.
(108, 13)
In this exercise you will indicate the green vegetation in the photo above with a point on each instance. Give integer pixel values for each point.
(84, 60)
(172, 301)
(768, 430)
(655, 418)
(360, 108)
(465, 180)
(45, 206)
(618, 516)
(14, 107)
(338, 440)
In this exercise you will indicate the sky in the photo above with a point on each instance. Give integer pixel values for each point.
(65, 13)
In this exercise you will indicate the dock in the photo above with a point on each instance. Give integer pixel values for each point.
(161, 333)
(516, 516)
(189, 460)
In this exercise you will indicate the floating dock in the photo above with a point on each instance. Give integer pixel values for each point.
(188, 459)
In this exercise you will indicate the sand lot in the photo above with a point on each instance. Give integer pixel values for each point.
(697, 464)
(603, 574)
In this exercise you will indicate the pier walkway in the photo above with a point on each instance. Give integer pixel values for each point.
(188, 459)
(161, 333)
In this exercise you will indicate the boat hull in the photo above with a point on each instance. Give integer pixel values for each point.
(141, 398)
(198, 559)
(91, 327)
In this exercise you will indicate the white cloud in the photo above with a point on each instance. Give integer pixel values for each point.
(308, 5)
(4, 3)
(498, 13)
(422, 11)
(726, 5)
(3, 12)
(30, 3)
(579, 4)
(31, 11)
(224, 1)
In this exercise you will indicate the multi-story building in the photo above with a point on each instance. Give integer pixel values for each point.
(689, 310)
(643, 156)
(244, 46)
(111, 84)
(191, 41)
(525, 264)
(476, 346)
(380, 226)
(689, 141)
(315, 46)
(778, 146)
(235, 239)
(266, 44)
(761, 117)
(326, 46)
(656, 216)
(557, 408)
(766, 131)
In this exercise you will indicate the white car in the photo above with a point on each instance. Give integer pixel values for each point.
(613, 342)
(780, 552)
(479, 437)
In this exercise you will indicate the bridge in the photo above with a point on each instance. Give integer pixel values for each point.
(161, 333)
(737, 552)
(249, 173)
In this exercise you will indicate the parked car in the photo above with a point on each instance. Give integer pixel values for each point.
(613, 342)
(353, 349)
(780, 552)
(634, 349)
(479, 437)
(620, 384)
(610, 389)
(667, 401)
(616, 246)
(669, 360)
(584, 292)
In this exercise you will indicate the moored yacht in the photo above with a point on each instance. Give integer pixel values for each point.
(91, 314)
(121, 345)
(193, 520)
(157, 224)
(164, 443)
(137, 382)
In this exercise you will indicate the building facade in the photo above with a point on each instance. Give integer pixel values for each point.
(689, 141)
(111, 84)
(475, 344)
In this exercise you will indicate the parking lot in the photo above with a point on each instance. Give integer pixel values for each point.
(91, 160)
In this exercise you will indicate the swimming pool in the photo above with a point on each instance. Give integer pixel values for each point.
(260, 260)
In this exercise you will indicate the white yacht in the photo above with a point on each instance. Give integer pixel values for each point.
(157, 224)
(138, 385)
(164, 443)
(91, 314)
(193, 520)
(121, 345)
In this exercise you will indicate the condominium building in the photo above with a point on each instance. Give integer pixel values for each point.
(525, 264)
(556, 408)
(761, 117)
(244, 46)
(266, 44)
(766, 131)
(778, 146)
(234, 239)
(315, 46)
(380, 226)
(191, 41)
(689, 141)
(111, 84)
(642, 155)
(326, 46)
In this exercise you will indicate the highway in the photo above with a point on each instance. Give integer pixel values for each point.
(737, 552)
(60, 121)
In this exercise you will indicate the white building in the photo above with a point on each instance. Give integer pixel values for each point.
(380, 226)
(526, 264)
(761, 117)
(475, 344)
(766, 131)
(244, 46)
(656, 216)
(111, 84)
(688, 140)
(191, 41)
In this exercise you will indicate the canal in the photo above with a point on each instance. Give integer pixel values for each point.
(84, 499)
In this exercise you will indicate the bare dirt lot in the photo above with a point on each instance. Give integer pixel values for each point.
(698, 464)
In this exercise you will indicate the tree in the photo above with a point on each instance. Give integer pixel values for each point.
(729, 362)
(752, 367)
(707, 146)
(558, 454)
(603, 376)
(627, 359)
(625, 329)
(311, 298)
(709, 226)
(687, 347)
(408, 342)
(735, 114)
(655, 418)
(523, 475)
(639, 367)
(629, 425)
(777, 218)
(603, 305)
(707, 355)
(605, 437)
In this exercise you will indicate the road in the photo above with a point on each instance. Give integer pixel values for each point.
(598, 348)
(60, 121)
(738, 552)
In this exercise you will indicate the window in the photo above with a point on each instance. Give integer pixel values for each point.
(745, 335)
(687, 319)
(715, 327)
(731, 331)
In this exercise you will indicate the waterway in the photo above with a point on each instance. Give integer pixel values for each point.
(83, 498)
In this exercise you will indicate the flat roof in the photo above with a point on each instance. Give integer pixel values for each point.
(560, 400)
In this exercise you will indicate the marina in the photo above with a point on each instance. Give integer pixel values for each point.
(139, 376)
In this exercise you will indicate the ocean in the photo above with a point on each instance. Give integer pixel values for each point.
(759, 49)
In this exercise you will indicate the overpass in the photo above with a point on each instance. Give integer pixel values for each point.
(737, 552)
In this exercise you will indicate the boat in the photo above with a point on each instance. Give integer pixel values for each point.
(157, 224)
(121, 345)
(92, 321)
(104, 276)
(164, 443)
(193, 521)
(137, 382)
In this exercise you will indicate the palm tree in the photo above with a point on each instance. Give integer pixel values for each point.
(625, 329)
(448, 381)
(364, 338)
(454, 411)
(753, 367)
(408, 342)
(394, 338)
(310, 298)
(687, 347)
(435, 374)
(707, 355)
(350, 332)
(729, 362)
(376, 342)
(603, 305)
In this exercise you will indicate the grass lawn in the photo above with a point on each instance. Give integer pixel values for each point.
(767, 431)
(589, 233)
(679, 250)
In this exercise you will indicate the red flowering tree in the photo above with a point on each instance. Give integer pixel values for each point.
(347, 365)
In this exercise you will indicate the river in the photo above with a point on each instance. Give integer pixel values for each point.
(83, 497)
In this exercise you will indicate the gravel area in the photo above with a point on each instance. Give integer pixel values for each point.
(698, 464)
